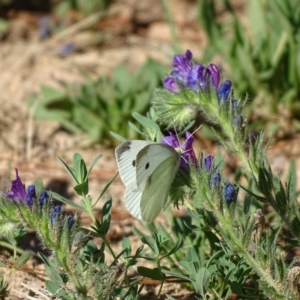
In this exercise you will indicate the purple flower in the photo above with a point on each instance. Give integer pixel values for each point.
(30, 195)
(187, 152)
(43, 197)
(182, 62)
(171, 85)
(229, 193)
(191, 75)
(55, 213)
(17, 191)
(213, 73)
(208, 161)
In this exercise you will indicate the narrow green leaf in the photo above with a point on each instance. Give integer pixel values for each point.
(133, 127)
(21, 260)
(69, 170)
(175, 274)
(65, 200)
(177, 246)
(148, 240)
(155, 273)
(117, 137)
(145, 122)
(95, 160)
(105, 189)
(106, 215)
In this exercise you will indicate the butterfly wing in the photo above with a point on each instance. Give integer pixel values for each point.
(126, 154)
(157, 165)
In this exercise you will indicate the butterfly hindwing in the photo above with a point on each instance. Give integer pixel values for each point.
(157, 189)
(132, 202)
(149, 158)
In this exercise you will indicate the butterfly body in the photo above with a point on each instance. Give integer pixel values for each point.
(147, 170)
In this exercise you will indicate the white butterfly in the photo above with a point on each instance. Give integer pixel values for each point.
(147, 170)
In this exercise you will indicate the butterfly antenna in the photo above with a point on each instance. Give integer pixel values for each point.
(192, 134)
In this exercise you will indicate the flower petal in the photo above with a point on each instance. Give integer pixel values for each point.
(17, 191)
(171, 140)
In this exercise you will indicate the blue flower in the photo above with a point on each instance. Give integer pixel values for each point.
(188, 154)
(30, 195)
(215, 180)
(191, 75)
(43, 197)
(230, 193)
(55, 213)
(224, 90)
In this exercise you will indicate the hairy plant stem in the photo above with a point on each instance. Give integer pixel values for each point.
(264, 275)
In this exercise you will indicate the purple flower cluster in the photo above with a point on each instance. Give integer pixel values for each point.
(188, 74)
(19, 194)
(187, 152)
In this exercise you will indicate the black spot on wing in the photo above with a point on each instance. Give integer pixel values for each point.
(124, 147)
(147, 166)
(133, 163)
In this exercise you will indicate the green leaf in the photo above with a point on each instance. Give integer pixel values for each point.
(148, 240)
(95, 160)
(202, 281)
(21, 260)
(69, 170)
(133, 127)
(65, 200)
(155, 273)
(126, 245)
(145, 122)
(175, 274)
(117, 137)
(106, 216)
(79, 167)
(50, 94)
(122, 79)
(82, 189)
(175, 248)
(105, 189)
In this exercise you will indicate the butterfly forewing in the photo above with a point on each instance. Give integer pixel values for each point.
(126, 160)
